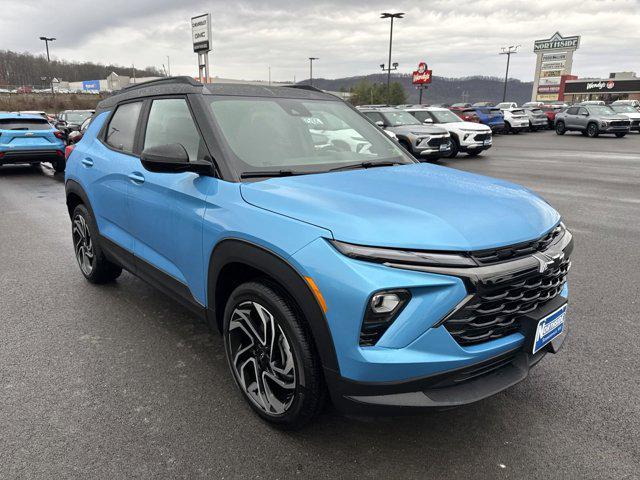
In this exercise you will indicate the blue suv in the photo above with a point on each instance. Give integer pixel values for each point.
(30, 139)
(333, 263)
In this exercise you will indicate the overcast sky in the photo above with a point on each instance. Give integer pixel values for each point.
(455, 37)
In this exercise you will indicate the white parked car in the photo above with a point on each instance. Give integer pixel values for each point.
(532, 104)
(630, 112)
(634, 103)
(515, 120)
(592, 102)
(468, 137)
(505, 105)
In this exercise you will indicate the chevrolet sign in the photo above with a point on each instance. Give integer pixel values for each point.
(557, 42)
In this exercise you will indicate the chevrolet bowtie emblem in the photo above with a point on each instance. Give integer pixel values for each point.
(548, 261)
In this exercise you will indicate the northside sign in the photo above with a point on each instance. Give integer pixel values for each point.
(557, 42)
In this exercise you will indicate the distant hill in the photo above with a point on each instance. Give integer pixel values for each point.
(443, 89)
(27, 69)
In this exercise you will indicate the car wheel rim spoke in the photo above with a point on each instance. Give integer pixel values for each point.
(261, 358)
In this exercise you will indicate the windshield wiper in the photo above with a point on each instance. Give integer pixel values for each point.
(353, 166)
(271, 173)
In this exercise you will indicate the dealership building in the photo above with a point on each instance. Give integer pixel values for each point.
(619, 86)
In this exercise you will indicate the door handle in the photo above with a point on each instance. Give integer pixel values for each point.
(136, 177)
(87, 162)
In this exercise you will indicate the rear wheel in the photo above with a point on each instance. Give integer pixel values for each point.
(592, 130)
(507, 127)
(620, 134)
(59, 165)
(91, 260)
(271, 356)
(560, 128)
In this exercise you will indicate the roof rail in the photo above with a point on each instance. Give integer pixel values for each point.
(305, 87)
(180, 80)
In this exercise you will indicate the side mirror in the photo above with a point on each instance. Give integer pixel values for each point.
(380, 123)
(428, 120)
(585, 114)
(172, 158)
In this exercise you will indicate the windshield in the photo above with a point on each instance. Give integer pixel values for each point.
(445, 116)
(600, 110)
(624, 109)
(77, 117)
(308, 136)
(396, 119)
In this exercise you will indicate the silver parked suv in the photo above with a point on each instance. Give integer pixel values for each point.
(425, 142)
(592, 120)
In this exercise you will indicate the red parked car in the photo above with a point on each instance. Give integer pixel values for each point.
(465, 113)
(550, 112)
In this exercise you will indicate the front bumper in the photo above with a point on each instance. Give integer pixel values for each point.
(614, 129)
(417, 362)
(31, 156)
(454, 388)
(425, 150)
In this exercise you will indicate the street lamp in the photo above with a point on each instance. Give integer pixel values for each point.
(395, 65)
(508, 51)
(311, 59)
(46, 41)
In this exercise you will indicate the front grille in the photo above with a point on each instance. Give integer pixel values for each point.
(482, 136)
(502, 254)
(635, 123)
(437, 141)
(619, 123)
(493, 312)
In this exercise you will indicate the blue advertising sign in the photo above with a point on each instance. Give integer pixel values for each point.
(91, 85)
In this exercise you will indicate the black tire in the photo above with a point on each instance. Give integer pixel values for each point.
(59, 165)
(620, 134)
(92, 262)
(592, 130)
(455, 148)
(584, 133)
(560, 128)
(515, 131)
(507, 127)
(298, 405)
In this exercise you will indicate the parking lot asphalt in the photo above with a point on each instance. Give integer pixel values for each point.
(119, 381)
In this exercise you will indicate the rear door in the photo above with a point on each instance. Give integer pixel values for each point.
(20, 134)
(167, 208)
(105, 166)
(570, 117)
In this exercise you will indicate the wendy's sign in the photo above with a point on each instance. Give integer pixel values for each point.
(422, 76)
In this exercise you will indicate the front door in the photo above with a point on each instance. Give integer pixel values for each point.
(167, 208)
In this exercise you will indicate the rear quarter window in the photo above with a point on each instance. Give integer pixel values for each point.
(121, 132)
(24, 124)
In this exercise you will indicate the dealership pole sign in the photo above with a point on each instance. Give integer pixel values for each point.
(201, 39)
(201, 33)
(554, 59)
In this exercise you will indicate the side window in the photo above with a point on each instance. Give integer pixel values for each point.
(572, 111)
(121, 132)
(583, 111)
(374, 117)
(170, 121)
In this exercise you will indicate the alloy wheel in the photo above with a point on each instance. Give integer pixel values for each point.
(261, 358)
(83, 244)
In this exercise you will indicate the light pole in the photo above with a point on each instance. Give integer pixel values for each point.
(508, 51)
(46, 41)
(311, 59)
(391, 16)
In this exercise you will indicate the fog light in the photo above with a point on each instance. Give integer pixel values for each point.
(383, 309)
(385, 302)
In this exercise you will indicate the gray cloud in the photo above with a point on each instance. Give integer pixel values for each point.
(456, 38)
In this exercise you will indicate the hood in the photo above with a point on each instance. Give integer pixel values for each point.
(621, 116)
(476, 127)
(424, 129)
(417, 206)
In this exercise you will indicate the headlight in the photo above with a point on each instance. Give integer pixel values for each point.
(402, 257)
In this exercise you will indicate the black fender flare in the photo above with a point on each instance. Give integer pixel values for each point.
(73, 187)
(230, 251)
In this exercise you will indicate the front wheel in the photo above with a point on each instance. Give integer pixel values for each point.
(91, 260)
(271, 356)
(560, 128)
(455, 148)
(620, 134)
(592, 130)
